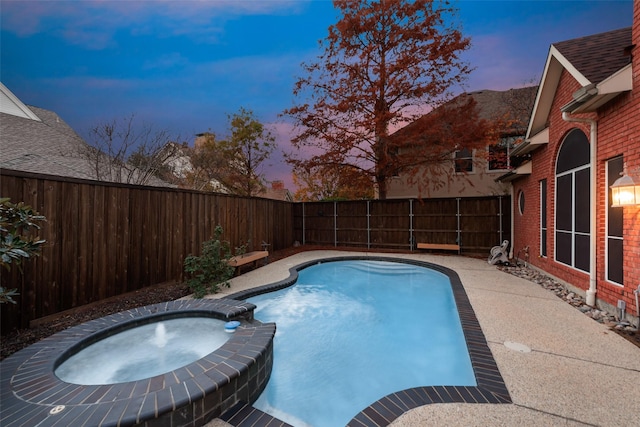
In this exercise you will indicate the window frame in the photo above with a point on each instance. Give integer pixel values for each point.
(610, 212)
(567, 229)
(505, 143)
(469, 159)
(543, 218)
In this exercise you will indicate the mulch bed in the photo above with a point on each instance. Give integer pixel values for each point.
(22, 338)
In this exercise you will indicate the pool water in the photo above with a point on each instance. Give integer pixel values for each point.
(352, 332)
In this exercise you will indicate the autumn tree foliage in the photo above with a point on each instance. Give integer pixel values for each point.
(208, 161)
(382, 64)
(424, 151)
(235, 163)
(332, 183)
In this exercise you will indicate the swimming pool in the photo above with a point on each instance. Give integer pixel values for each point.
(351, 332)
(479, 383)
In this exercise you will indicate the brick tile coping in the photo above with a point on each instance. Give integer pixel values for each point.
(189, 396)
(490, 386)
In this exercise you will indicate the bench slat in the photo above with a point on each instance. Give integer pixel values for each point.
(243, 259)
(442, 246)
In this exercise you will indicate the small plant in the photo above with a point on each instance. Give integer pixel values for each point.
(16, 240)
(210, 270)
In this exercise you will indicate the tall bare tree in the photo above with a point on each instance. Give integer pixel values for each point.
(129, 152)
(382, 63)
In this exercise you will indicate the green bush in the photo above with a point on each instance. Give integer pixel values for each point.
(210, 270)
(17, 242)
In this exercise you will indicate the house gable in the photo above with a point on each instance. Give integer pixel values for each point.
(600, 63)
(570, 228)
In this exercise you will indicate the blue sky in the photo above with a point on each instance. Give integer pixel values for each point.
(184, 65)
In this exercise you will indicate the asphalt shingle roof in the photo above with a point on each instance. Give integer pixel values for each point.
(49, 146)
(600, 55)
(492, 104)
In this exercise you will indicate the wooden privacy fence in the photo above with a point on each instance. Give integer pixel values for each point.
(106, 239)
(476, 224)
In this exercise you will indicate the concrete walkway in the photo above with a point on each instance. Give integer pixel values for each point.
(561, 367)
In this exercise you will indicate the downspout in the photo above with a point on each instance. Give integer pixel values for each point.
(513, 222)
(593, 141)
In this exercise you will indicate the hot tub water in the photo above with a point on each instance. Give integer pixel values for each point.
(144, 351)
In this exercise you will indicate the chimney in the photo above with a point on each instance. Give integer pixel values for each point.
(277, 185)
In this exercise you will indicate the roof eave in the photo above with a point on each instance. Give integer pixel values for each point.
(546, 91)
(519, 172)
(534, 142)
(605, 91)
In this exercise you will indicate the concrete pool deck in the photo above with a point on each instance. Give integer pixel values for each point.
(577, 372)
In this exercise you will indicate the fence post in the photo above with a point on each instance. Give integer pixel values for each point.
(411, 224)
(458, 231)
(368, 224)
(335, 224)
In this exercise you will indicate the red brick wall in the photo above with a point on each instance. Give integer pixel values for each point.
(618, 134)
(544, 159)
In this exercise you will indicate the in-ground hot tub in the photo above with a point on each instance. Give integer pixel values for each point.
(191, 395)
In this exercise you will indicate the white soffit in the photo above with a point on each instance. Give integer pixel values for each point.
(546, 93)
(612, 86)
(532, 143)
(524, 169)
(621, 81)
(541, 137)
(10, 104)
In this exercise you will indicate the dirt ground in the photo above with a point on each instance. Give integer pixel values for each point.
(22, 338)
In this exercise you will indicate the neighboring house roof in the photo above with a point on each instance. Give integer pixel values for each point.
(179, 161)
(491, 105)
(37, 140)
(600, 63)
(277, 191)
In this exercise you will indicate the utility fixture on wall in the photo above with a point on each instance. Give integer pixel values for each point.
(625, 191)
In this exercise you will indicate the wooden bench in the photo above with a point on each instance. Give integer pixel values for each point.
(439, 246)
(240, 260)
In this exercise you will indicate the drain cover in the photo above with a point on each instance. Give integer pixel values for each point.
(516, 346)
(56, 409)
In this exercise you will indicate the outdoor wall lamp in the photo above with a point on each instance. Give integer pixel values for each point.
(625, 191)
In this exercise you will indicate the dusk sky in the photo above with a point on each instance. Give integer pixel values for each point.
(183, 65)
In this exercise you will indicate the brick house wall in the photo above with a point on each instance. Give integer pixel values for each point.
(618, 135)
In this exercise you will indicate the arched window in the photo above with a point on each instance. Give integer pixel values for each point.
(572, 201)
